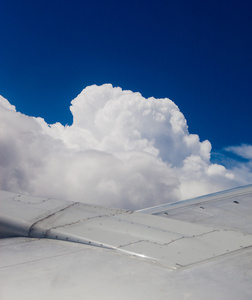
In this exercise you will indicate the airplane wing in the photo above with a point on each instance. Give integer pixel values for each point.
(195, 249)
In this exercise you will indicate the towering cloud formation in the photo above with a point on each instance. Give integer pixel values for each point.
(122, 150)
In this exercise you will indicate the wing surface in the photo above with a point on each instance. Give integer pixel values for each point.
(57, 270)
(231, 209)
(195, 249)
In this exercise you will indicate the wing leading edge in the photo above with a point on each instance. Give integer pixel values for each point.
(231, 209)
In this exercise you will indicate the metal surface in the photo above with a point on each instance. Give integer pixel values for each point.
(169, 242)
(230, 209)
(52, 270)
(195, 249)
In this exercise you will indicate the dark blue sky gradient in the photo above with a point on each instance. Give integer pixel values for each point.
(197, 53)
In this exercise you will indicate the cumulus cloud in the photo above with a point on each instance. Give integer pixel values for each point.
(122, 150)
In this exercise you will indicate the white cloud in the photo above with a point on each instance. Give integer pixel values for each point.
(122, 150)
(242, 169)
(244, 151)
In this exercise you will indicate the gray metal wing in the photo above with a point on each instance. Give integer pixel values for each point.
(231, 209)
(195, 249)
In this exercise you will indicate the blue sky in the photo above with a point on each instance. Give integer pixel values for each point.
(197, 53)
